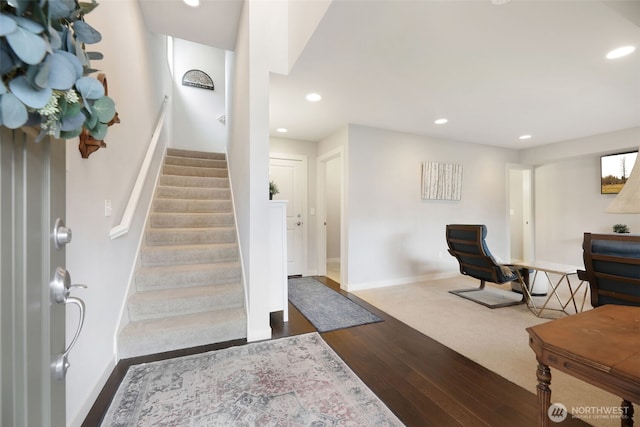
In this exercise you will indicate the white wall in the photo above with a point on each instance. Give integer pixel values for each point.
(256, 54)
(394, 236)
(196, 110)
(134, 62)
(567, 195)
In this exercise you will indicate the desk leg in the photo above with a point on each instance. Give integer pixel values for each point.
(626, 419)
(544, 393)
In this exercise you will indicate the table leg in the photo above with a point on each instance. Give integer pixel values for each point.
(626, 419)
(544, 393)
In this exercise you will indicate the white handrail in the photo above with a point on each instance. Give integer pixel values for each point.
(123, 228)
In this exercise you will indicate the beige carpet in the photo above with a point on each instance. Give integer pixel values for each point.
(495, 338)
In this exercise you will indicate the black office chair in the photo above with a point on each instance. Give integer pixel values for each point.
(467, 244)
(612, 268)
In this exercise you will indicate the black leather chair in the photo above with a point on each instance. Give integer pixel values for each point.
(467, 244)
(612, 268)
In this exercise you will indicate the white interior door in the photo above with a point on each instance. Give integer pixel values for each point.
(32, 333)
(289, 172)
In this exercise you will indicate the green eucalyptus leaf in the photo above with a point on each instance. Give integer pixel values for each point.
(14, 113)
(38, 75)
(70, 134)
(105, 109)
(73, 60)
(63, 74)
(7, 24)
(69, 42)
(88, 7)
(72, 109)
(90, 88)
(60, 9)
(92, 120)
(81, 55)
(95, 56)
(72, 122)
(38, 15)
(29, 24)
(62, 105)
(30, 96)
(99, 132)
(29, 47)
(86, 33)
(7, 61)
(55, 40)
(21, 6)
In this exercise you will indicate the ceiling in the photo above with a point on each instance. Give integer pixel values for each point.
(496, 72)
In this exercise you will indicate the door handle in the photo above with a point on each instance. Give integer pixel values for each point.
(299, 223)
(60, 290)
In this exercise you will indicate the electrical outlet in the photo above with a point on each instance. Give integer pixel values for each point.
(107, 208)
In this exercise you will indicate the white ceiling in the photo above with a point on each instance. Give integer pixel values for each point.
(496, 72)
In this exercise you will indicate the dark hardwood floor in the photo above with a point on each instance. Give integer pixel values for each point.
(423, 382)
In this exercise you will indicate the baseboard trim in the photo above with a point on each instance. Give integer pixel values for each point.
(354, 287)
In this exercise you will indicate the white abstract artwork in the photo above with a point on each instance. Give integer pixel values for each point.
(441, 181)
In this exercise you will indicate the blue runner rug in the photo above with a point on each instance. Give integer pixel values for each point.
(326, 309)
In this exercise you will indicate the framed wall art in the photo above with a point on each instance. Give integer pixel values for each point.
(441, 181)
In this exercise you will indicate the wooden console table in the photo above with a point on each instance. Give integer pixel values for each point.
(600, 346)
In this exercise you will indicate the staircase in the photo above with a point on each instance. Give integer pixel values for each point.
(187, 284)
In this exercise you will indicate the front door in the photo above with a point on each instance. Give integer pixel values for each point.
(32, 334)
(289, 172)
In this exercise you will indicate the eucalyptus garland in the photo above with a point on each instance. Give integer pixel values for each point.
(45, 69)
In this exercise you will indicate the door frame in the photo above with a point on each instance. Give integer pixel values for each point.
(322, 160)
(528, 233)
(305, 204)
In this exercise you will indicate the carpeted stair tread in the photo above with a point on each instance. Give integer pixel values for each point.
(188, 220)
(175, 276)
(194, 171)
(190, 161)
(188, 254)
(190, 236)
(194, 181)
(188, 288)
(170, 302)
(192, 205)
(202, 193)
(190, 330)
(176, 152)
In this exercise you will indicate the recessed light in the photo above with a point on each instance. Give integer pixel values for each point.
(620, 52)
(441, 121)
(192, 3)
(282, 130)
(313, 97)
(525, 137)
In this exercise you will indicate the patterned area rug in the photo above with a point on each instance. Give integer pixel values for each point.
(325, 308)
(294, 381)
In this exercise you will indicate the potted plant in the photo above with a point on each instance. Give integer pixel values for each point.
(620, 228)
(45, 68)
(273, 189)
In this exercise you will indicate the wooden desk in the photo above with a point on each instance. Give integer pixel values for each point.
(600, 346)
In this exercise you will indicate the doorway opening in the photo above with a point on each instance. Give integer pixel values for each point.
(331, 253)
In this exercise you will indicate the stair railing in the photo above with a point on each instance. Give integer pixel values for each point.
(123, 228)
